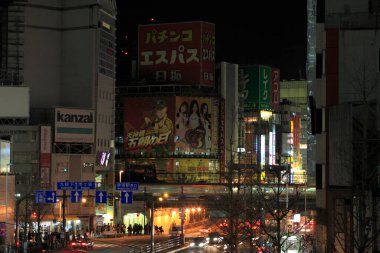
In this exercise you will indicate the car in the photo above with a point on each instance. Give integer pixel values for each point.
(199, 241)
(214, 238)
(75, 244)
(83, 243)
(86, 244)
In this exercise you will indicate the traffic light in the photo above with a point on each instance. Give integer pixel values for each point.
(34, 215)
(110, 199)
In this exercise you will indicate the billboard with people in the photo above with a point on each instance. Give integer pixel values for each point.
(149, 125)
(193, 118)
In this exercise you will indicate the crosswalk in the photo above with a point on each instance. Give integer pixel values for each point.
(104, 245)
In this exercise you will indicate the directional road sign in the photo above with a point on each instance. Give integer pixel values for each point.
(127, 186)
(76, 185)
(40, 197)
(126, 197)
(50, 196)
(100, 197)
(76, 196)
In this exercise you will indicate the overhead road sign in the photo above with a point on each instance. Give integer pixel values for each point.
(76, 196)
(76, 185)
(127, 186)
(50, 196)
(46, 196)
(100, 197)
(126, 197)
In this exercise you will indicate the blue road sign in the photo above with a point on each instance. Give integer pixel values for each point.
(76, 196)
(90, 185)
(100, 197)
(50, 196)
(127, 186)
(40, 197)
(126, 197)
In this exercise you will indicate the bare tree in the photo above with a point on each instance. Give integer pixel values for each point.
(356, 224)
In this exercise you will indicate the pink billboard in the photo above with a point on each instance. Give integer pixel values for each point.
(148, 124)
(177, 53)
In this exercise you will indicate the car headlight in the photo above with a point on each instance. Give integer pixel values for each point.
(192, 244)
(201, 244)
(215, 239)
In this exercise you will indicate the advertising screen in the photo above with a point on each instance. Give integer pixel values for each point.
(5, 156)
(193, 119)
(257, 81)
(149, 125)
(169, 170)
(177, 53)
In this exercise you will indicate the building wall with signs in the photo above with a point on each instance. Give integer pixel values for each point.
(172, 170)
(177, 53)
(160, 131)
(74, 168)
(168, 126)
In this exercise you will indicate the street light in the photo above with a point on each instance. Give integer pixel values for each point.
(120, 172)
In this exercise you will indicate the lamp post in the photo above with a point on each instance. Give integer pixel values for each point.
(120, 212)
(152, 226)
(6, 204)
(120, 172)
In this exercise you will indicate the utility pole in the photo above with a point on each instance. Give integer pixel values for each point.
(64, 217)
(152, 226)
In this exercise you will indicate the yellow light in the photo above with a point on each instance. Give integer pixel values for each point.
(199, 209)
(193, 209)
(160, 199)
(166, 195)
(265, 115)
(84, 200)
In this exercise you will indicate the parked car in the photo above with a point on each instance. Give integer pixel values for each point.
(199, 241)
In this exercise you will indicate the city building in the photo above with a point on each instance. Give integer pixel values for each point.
(57, 69)
(295, 91)
(343, 74)
(7, 193)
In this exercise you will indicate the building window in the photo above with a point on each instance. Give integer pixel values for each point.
(319, 176)
(320, 11)
(319, 65)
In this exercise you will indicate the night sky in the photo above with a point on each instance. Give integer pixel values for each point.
(266, 32)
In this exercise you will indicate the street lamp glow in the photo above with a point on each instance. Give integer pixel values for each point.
(84, 200)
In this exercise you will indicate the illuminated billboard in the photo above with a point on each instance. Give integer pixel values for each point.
(193, 125)
(45, 155)
(275, 88)
(177, 53)
(74, 125)
(257, 80)
(169, 170)
(149, 125)
(5, 156)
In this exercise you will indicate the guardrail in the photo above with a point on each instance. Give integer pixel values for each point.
(158, 247)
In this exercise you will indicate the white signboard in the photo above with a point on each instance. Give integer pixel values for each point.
(74, 125)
